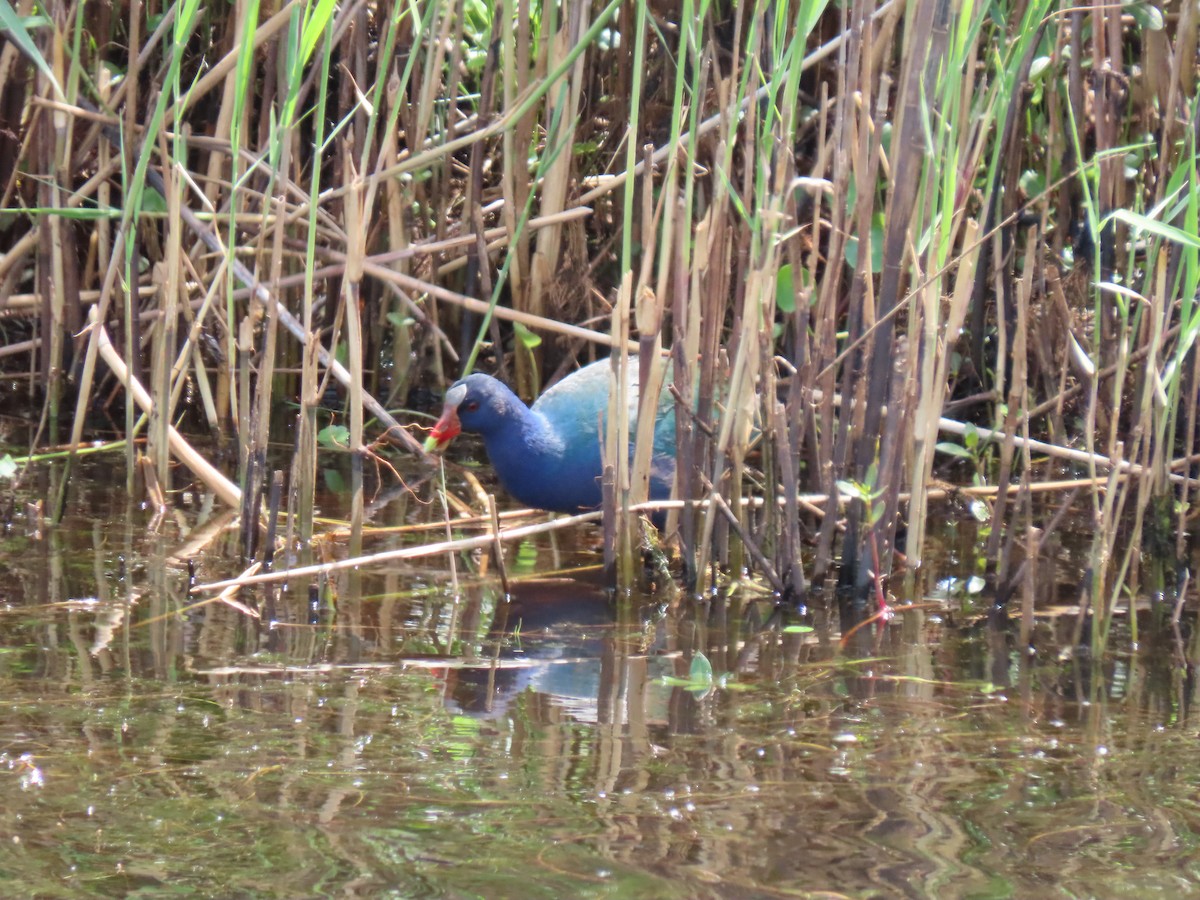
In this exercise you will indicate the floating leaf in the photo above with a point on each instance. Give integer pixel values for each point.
(334, 436)
(701, 672)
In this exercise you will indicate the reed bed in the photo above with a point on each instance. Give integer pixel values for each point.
(876, 242)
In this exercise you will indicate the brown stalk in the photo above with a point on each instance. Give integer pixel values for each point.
(227, 491)
(562, 111)
(416, 552)
(514, 177)
(933, 382)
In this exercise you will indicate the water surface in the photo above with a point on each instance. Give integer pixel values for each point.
(407, 731)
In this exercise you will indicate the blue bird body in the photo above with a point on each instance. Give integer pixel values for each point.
(548, 456)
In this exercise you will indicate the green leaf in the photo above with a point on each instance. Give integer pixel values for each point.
(528, 339)
(8, 466)
(334, 436)
(153, 202)
(701, 672)
(736, 200)
(11, 23)
(851, 251)
(785, 290)
(855, 489)
(980, 511)
(676, 681)
(527, 557)
(1152, 226)
(971, 438)
(477, 21)
(1150, 18)
(798, 629)
(87, 214)
(952, 449)
(1032, 182)
(314, 28)
(852, 488)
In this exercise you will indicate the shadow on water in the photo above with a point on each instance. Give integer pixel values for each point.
(389, 735)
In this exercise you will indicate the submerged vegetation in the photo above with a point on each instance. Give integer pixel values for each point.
(863, 234)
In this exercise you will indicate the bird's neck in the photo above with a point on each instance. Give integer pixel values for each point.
(528, 441)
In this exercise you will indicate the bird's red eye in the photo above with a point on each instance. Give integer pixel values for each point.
(472, 406)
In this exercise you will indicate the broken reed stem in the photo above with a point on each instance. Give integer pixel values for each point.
(497, 544)
(453, 546)
(494, 534)
(225, 489)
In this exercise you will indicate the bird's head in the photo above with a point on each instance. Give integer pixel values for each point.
(478, 404)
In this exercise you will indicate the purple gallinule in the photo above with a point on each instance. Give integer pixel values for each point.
(548, 456)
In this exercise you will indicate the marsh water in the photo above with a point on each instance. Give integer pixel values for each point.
(407, 730)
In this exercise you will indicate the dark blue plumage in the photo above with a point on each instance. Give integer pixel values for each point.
(548, 456)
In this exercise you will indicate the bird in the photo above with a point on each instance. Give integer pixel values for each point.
(548, 456)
